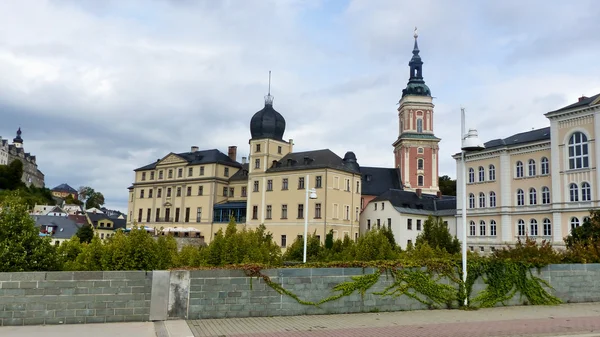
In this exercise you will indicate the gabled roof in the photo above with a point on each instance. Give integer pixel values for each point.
(98, 216)
(377, 180)
(64, 188)
(65, 227)
(313, 160)
(198, 158)
(241, 175)
(78, 219)
(409, 202)
(583, 102)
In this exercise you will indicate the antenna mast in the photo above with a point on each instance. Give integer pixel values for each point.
(269, 98)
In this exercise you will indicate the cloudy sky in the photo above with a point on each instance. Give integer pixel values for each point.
(102, 87)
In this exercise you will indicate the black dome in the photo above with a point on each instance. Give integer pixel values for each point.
(267, 123)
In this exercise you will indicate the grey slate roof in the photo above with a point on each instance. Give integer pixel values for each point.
(409, 202)
(584, 102)
(64, 188)
(532, 136)
(198, 158)
(242, 174)
(65, 227)
(377, 180)
(119, 223)
(312, 160)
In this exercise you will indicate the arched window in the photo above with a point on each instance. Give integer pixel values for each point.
(520, 197)
(492, 199)
(578, 151)
(547, 227)
(531, 167)
(471, 200)
(574, 223)
(493, 227)
(419, 164)
(573, 192)
(585, 219)
(482, 228)
(481, 200)
(472, 228)
(545, 166)
(586, 192)
(471, 175)
(532, 196)
(545, 195)
(521, 227)
(533, 227)
(419, 180)
(420, 150)
(519, 169)
(419, 125)
(481, 173)
(492, 172)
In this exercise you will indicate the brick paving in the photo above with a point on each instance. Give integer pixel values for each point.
(507, 321)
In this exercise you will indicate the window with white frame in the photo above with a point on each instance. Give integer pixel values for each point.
(420, 181)
(419, 125)
(493, 227)
(519, 168)
(578, 151)
(574, 223)
(492, 172)
(420, 164)
(532, 196)
(531, 167)
(492, 199)
(481, 173)
(585, 219)
(471, 200)
(472, 228)
(520, 197)
(586, 192)
(482, 228)
(545, 195)
(471, 175)
(521, 227)
(481, 200)
(547, 227)
(420, 150)
(533, 227)
(573, 192)
(545, 166)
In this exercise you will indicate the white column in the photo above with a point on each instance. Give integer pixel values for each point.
(264, 197)
(434, 174)
(595, 160)
(506, 196)
(556, 194)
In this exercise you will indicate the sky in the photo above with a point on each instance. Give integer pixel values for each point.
(100, 88)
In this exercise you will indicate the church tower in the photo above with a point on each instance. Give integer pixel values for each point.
(416, 149)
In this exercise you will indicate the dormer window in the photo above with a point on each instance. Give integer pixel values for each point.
(368, 177)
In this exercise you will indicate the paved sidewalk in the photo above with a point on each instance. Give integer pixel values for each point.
(567, 319)
(133, 329)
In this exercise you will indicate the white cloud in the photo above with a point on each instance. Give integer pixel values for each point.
(101, 88)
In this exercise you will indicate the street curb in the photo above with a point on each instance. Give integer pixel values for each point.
(178, 328)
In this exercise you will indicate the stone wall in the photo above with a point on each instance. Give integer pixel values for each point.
(97, 297)
(74, 297)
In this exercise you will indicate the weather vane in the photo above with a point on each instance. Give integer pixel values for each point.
(416, 35)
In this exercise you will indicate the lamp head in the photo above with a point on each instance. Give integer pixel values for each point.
(471, 141)
(313, 193)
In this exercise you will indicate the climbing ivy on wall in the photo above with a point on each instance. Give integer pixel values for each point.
(436, 282)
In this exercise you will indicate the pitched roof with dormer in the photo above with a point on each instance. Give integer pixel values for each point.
(317, 159)
(213, 156)
(426, 204)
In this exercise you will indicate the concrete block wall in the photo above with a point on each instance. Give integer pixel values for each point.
(74, 297)
(98, 297)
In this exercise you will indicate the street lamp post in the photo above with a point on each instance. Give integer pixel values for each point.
(468, 142)
(312, 194)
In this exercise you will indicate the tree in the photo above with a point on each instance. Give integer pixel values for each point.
(295, 252)
(587, 236)
(10, 175)
(69, 200)
(447, 185)
(85, 233)
(91, 197)
(21, 247)
(436, 235)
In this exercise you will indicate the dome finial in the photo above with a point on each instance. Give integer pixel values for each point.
(269, 98)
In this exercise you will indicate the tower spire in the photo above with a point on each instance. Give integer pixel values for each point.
(416, 84)
(269, 98)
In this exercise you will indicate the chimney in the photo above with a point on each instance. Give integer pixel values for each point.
(232, 153)
(243, 160)
(291, 141)
(439, 194)
(419, 192)
(582, 98)
(194, 149)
